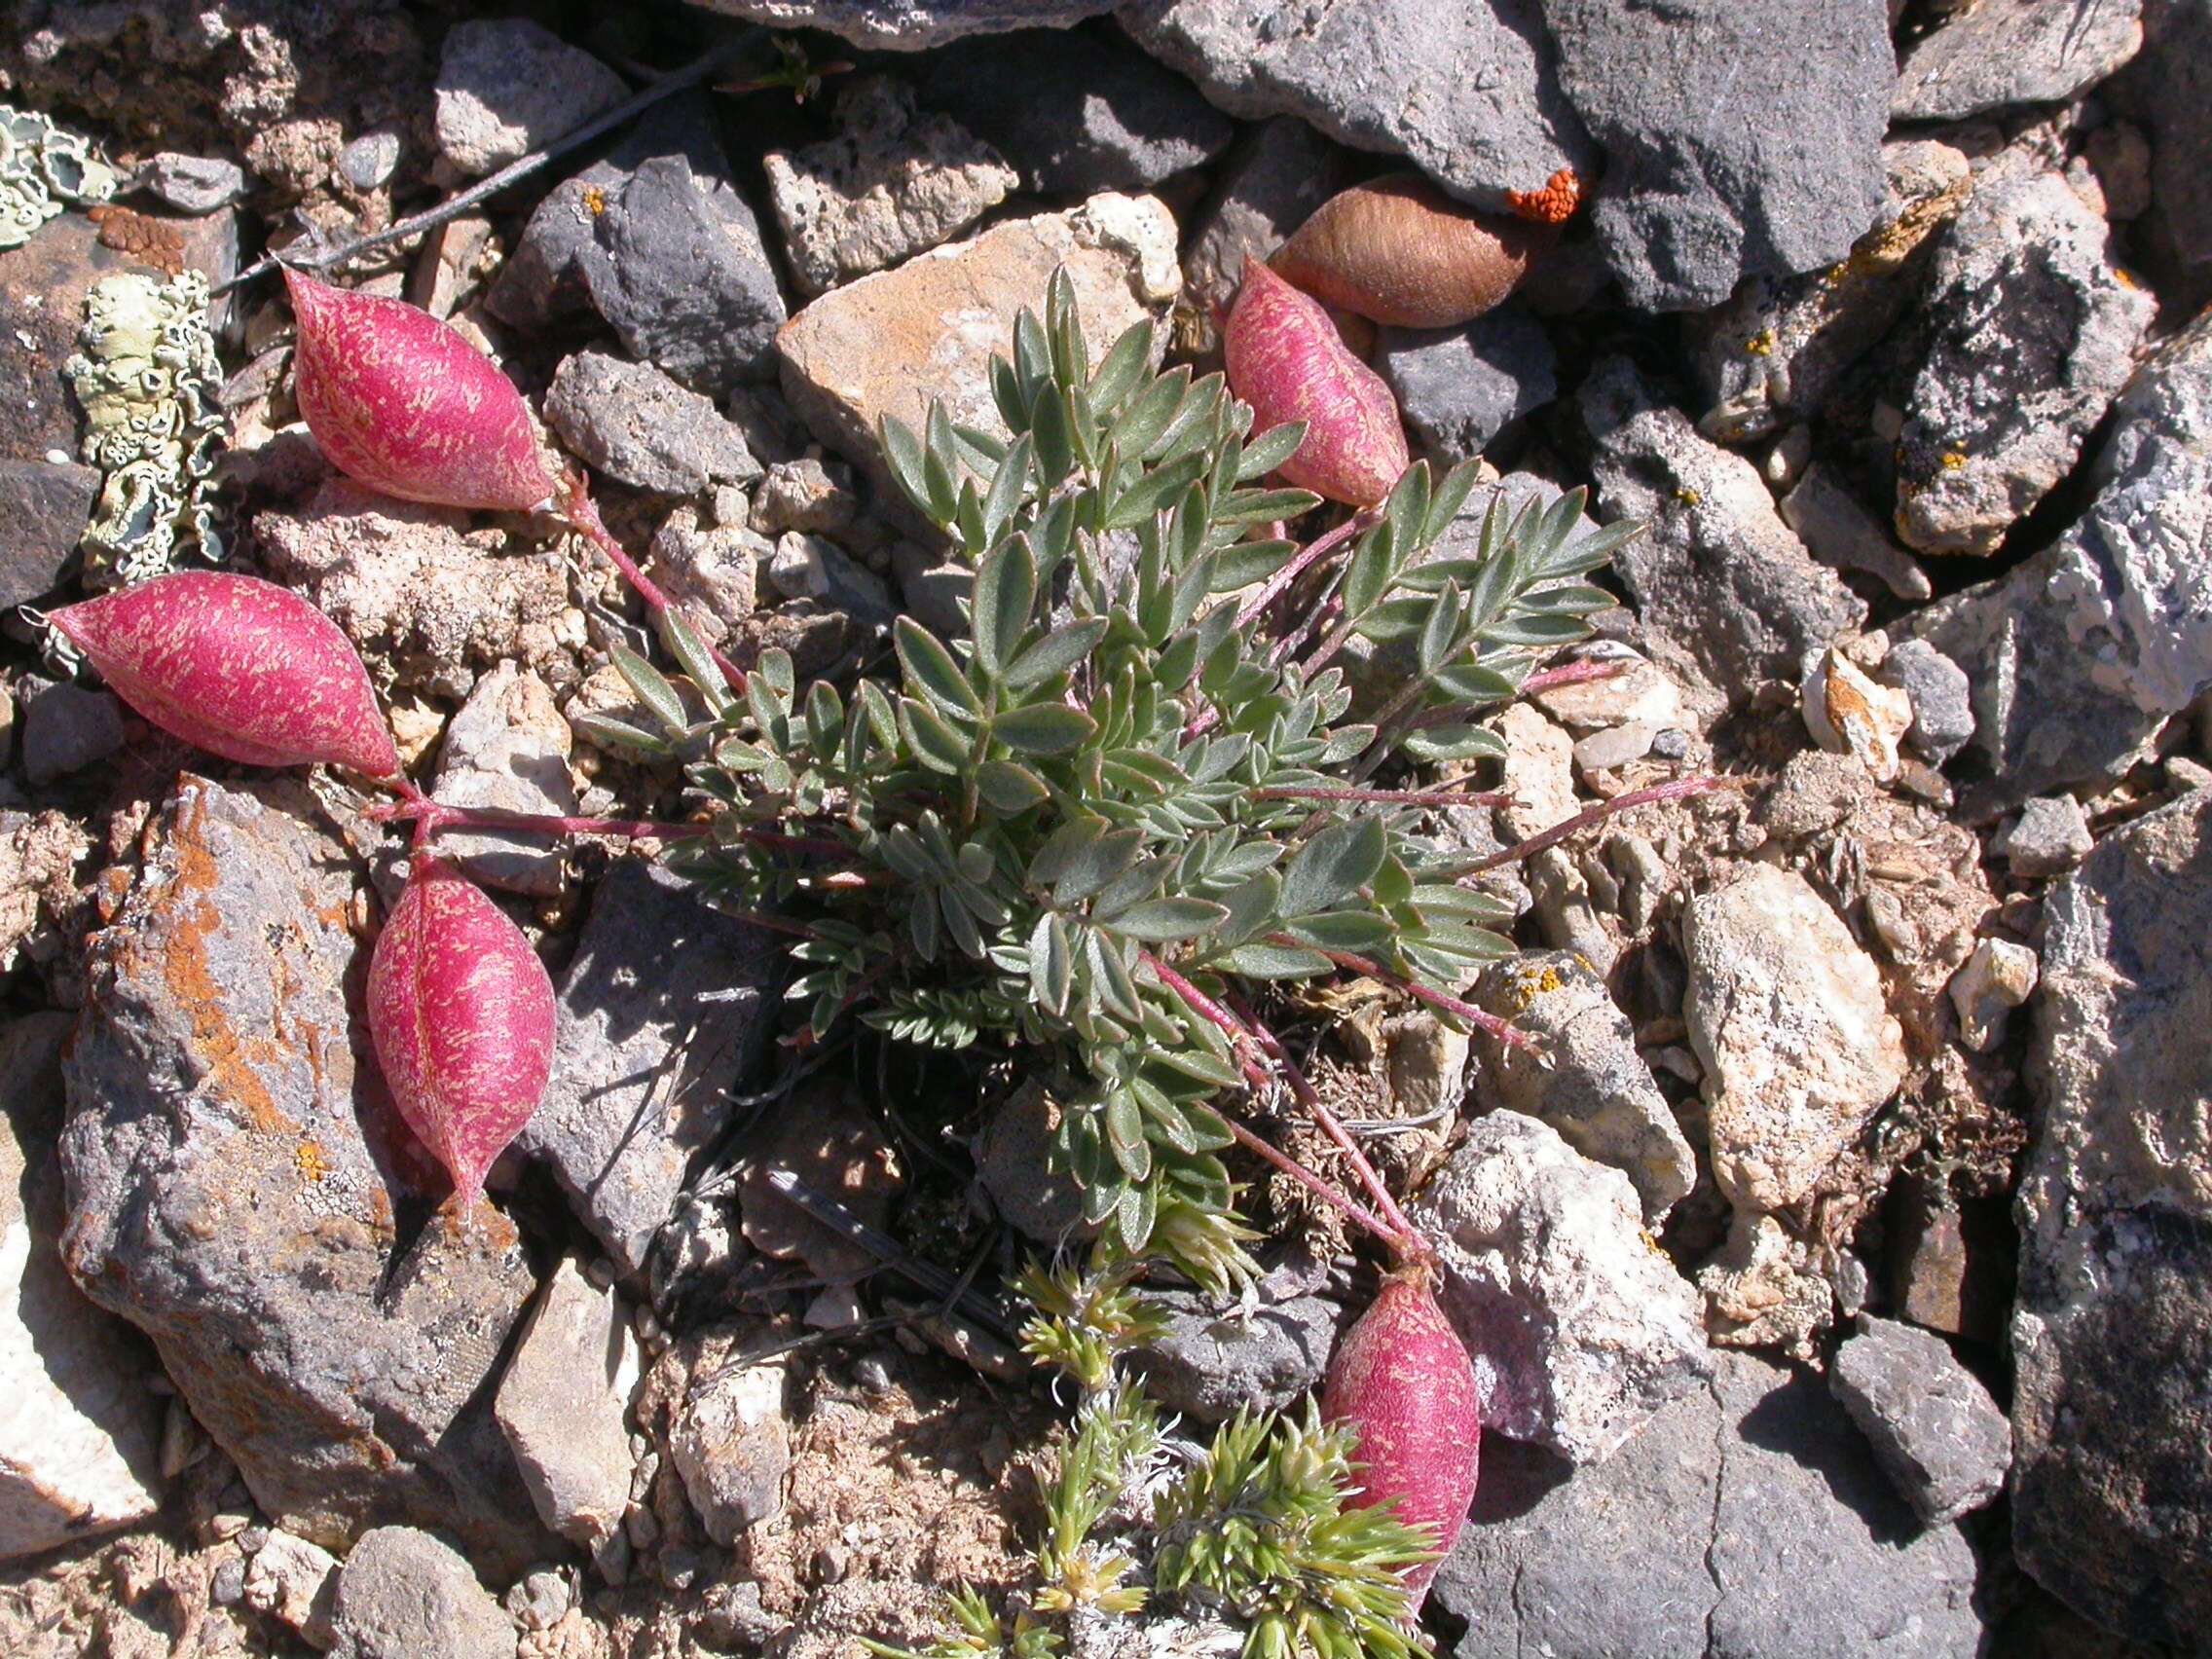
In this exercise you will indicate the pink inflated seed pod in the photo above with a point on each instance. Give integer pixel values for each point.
(403, 403)
(1285, 359)
(1402, 1380)
(461, 1014)
(241, 667)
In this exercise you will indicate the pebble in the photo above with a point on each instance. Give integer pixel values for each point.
(806, 566)
(1211, 1362)
(1997, 978)
(715, 573)
(805, 494)
(46, 505)
(291, 1579)
(2014, 51)
(1613, 747)
(403, 1593)
(538, 1600)
(506, 86)
(2049, 837)
(731, 1446)
(508, 748)
(1840, 532)
(640, 427)
(1459, 388)
(1941, 696)
(1013, 1165)
(1849, 713)
(66, 729)
(369, 160)
(1936, 1433)
(193, 184)
(564, 1405)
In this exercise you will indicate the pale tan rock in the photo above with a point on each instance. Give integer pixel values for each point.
(1849, 713)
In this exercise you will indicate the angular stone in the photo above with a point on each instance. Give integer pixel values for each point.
(1744, 1522)
(1470, 92)
(1212, 1361)
(732, 1447)
(1728, 592)
(1014, 1163)
(2014, 51)
(193, 184)
(2035, 333)
(889, 343)
(1077, 113)
(1942, 698)
(1590, 1082)
(241, 1190)
(2168, 88)
(1997, 978)
(662, 1008)
(909, 26)
(1579, 1326)
(508, 85)
(675, 265)
(1777, 347)
(715, 571)
(1844, 536)
(80, 1433)
(888, 185)
(1711, 177)
(46, 505)
(1458, 388)
(2049, 837)
(292, 1580)
(508, 748)
(1787, 1017)
(403, 1593)
(1935, 1432)
(2111, 1482)
(563, 1406)
(1761, 1289)
(640, 428)
(69, 727)
(2080, 654)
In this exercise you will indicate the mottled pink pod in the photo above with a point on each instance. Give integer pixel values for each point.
(241, 667)
(401, 402)
(1285, 359)
(1402, 1380)
(461, 1012)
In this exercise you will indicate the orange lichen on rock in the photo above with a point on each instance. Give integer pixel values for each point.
(1554, 204)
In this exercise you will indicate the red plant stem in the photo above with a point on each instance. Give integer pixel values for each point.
(1482, 1018)
(1676, 788)
(1411, 1245)
(1401, 1238)
(582, 516)
(1572, 674)
(1396, 798)
(1249, 613)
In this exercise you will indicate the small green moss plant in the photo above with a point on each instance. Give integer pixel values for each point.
(1249, 1536)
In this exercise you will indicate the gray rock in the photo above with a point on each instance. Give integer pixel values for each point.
(910, 25)
(1723, 588)
(805, 494)
(888, 185)
(1470, 92)
(2035, 332)
(2168, 88)
(193, 184)
(1458, 388)
(1844, 536)
(340, 1362)
(1942, 698)
(537, 1601)
(1013, 1165)
(290, 1579)
(2080, 654)
(563, 1406)
(714, 572)
(806, 566)
(1788, 1019)
(46, 505)
(637, 425)
(403, 1593)
(508, 748)
(731, 1446)
(1744, 1522)
(1579, 1328)
(80, 1433)
(1211, 1361)
(1589, 1083)
(663, 1007)
(1935, 1432)
(1773, 353)
(935, 592)
(1077, 113)
(2111, 1478)
(1708, 180)
(67, 729)
(506, 86)
(2049, 837)
(1268, 185)
(2014, 51)
(539, 283)
(370, 159)
(675, 265)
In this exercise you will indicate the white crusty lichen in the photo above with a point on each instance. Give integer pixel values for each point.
(149, 382)
(43, 167)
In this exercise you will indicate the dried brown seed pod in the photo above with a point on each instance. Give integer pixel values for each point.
(1398, 250)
